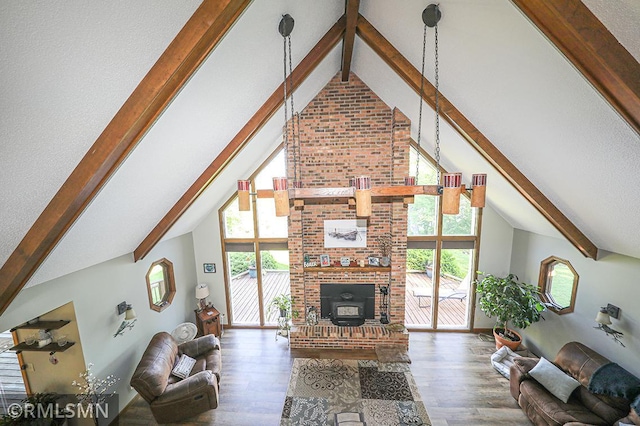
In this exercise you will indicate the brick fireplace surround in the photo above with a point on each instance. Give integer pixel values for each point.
(347, 131)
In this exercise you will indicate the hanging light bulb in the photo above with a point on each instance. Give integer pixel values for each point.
(363, 196)
(478, 189)
(243, 196)
(451, 193)
(281, 196)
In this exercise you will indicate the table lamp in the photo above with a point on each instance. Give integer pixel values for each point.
(202, 292)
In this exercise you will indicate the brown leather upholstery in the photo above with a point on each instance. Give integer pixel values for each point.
(170, 398)
(582, 408)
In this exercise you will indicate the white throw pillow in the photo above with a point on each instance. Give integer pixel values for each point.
(554, 380)
(183, 367)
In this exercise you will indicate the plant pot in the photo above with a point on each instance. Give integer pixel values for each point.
(501, 341)
(252, 272)
(385, 261)
(283, 313)
(429, 271)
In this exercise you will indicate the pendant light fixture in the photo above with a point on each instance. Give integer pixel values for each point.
(360, 191)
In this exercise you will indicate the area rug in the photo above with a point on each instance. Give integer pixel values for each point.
(392, 353)
(384, 393)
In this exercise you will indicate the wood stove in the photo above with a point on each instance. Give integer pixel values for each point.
(347, 304)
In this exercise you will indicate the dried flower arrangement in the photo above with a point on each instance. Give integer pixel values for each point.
(92, 391)
(384, 242)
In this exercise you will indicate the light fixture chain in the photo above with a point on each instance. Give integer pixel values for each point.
(437, 81)
(424, 47)
(293, 117)
(285, 133)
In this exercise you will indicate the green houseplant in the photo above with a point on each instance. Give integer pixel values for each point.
(512, 303)
(39, 409)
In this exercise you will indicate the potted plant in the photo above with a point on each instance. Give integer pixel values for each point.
(512, 302)
(384, 241)
(282, 303)
(252, 269)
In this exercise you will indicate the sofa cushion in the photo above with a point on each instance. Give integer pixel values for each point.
(539, 404)
(554, 380)
(183, 366)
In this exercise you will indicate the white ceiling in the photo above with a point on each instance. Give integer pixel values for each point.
(67, 67)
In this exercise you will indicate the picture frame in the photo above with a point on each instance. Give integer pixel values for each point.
(209, 268)
(349, 233)
(374, 261)
(324, 260)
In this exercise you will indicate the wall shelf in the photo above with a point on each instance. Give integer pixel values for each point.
(358, 269)
(42, 325)
(51, 347)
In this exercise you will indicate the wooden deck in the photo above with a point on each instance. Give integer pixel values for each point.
(11, 384)
(244, 296)
(451, 313)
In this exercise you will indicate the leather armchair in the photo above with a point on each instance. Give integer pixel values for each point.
(170, 398)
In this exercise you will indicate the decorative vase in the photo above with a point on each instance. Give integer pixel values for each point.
(385, 261)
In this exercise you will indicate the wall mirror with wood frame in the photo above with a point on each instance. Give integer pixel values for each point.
(558, 284)
(161, 285)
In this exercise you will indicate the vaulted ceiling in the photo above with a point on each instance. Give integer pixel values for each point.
(147, 151)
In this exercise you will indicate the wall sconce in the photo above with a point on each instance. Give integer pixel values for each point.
(129, 318)
(202, 292)
(604, 320)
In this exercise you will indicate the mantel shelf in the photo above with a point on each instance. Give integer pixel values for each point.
(358, 269)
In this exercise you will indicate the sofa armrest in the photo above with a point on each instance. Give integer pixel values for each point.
(519, 372)
(200, 383)
(200, 346)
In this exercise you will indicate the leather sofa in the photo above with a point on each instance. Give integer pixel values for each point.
(172, 399)
(582, 407)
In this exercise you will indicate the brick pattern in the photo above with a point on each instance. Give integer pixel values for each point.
(334, 337)
(347, 131)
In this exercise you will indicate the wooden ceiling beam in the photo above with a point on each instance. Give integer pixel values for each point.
(353, 7)
(592, 49)
(474, 137)
(180, 60)
(250, 129)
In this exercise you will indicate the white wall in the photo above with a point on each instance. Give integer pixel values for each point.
(96, 291)
(208, 249)
(612, 279)
(495, 254)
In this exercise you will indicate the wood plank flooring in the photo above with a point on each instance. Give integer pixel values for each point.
(452, 370)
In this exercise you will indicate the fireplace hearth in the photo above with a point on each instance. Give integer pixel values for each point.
(347, 304)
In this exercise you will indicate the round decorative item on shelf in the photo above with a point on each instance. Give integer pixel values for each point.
(184, 332)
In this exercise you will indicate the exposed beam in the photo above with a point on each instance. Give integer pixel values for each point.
(255, 123)
(353, 6)
(475, 138)
(592, 49)
(187, 51)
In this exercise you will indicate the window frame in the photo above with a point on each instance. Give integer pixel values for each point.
(543, 285)
(170, 283)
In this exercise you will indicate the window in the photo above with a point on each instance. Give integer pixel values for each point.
(558, 284)
(256, 251)
(441, 258)
(161, 286)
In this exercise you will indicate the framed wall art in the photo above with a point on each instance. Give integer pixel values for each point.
(345, 233)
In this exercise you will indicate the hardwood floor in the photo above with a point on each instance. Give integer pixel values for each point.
(452, 370)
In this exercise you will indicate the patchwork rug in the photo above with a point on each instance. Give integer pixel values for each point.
(385, 393)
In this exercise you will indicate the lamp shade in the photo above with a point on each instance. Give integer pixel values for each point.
(603, 317)
(202, 291)
(129, 314)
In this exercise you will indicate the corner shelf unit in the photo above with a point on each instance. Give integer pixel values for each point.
(52, 347)
(348, 269)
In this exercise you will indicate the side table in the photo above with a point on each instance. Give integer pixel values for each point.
(208, 322)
